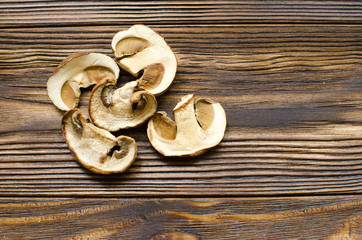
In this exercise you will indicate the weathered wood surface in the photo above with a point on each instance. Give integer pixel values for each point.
(292, 95)
(259, 218)
(288, 74)
(31, 13)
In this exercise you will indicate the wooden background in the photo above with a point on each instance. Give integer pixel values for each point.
(288, 74)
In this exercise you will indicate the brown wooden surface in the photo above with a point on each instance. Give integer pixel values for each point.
(338, 217)
(288, 75)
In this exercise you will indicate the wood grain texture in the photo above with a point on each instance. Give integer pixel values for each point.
(254, 218)
(288, 74)
(63, 13)
(292, 94)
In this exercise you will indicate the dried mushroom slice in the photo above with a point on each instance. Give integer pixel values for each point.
(97, 149)
(198, 127)
(79, 70)
(140, 49)
(114, 108)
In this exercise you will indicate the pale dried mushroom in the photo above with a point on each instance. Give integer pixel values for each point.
(198, 127)
(140, 49)
(79, 70)
(95, 148)
(115, 108)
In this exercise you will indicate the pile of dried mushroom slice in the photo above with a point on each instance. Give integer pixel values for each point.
(199, 125)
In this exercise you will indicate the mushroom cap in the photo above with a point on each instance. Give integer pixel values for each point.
(140, 48)
(198, 127)
(78, 70)
(97, 149)
(115, 108)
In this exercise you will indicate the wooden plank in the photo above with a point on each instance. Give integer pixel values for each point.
(257, 218)
(288, 75)
(63, 13)
(278, 58)
(292, 94)
(297, 161)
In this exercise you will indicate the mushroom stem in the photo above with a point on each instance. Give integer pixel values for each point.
(184, 114)
(125, 92)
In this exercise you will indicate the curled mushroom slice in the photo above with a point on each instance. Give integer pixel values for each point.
(97, 149)
(141, 49)
(114, 108)
(198, 127)
(79, 70)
